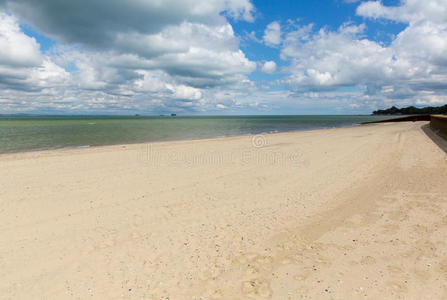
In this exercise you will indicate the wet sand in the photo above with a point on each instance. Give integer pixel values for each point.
(326, 214)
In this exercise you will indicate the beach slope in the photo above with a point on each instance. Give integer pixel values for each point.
(335, 214)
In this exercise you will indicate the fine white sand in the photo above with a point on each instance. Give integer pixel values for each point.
(332, 214)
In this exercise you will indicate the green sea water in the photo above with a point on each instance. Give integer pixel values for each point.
(47, 132)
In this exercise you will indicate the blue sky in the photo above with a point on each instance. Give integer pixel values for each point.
(324, 14)
(221, 57)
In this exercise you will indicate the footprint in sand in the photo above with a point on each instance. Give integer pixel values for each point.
(397, 287)
(390, 228)
(251, 270)
(395, 269)
(368, 260)
(443, 266)
(256, 288)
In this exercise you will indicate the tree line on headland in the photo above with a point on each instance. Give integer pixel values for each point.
(411, 110)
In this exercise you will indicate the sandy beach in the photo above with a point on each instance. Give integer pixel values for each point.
(345, 213)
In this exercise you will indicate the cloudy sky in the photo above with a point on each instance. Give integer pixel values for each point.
(221, 56)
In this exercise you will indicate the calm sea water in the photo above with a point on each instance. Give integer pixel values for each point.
(37, 133)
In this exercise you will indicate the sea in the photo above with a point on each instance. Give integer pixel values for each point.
(32, 133)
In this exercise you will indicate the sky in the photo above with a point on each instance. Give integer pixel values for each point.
(221, 57)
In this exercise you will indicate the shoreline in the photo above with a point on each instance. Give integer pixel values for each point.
(170, 141)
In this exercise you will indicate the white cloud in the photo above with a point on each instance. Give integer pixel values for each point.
(79, 21)
(22, 66)
(220, 106)
(411, 11)
(184, 56)
(176, 59)
(332, 59)
(269, 67)
(16, 48)
(239, 9)
(184, 92)
(272, 34)
(411, 69)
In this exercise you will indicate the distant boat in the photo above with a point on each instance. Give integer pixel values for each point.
(173, 115)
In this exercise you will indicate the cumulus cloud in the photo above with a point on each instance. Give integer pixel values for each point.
(411, 11)
(269, 67)
(80, 22)
(412, 67)
(171, 30)
(332, 59)
(16, 48)
(272, 34)
(138, 55)
(183, 55)
(22, 66)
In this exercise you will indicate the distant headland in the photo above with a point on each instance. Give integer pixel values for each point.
(411, 110)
